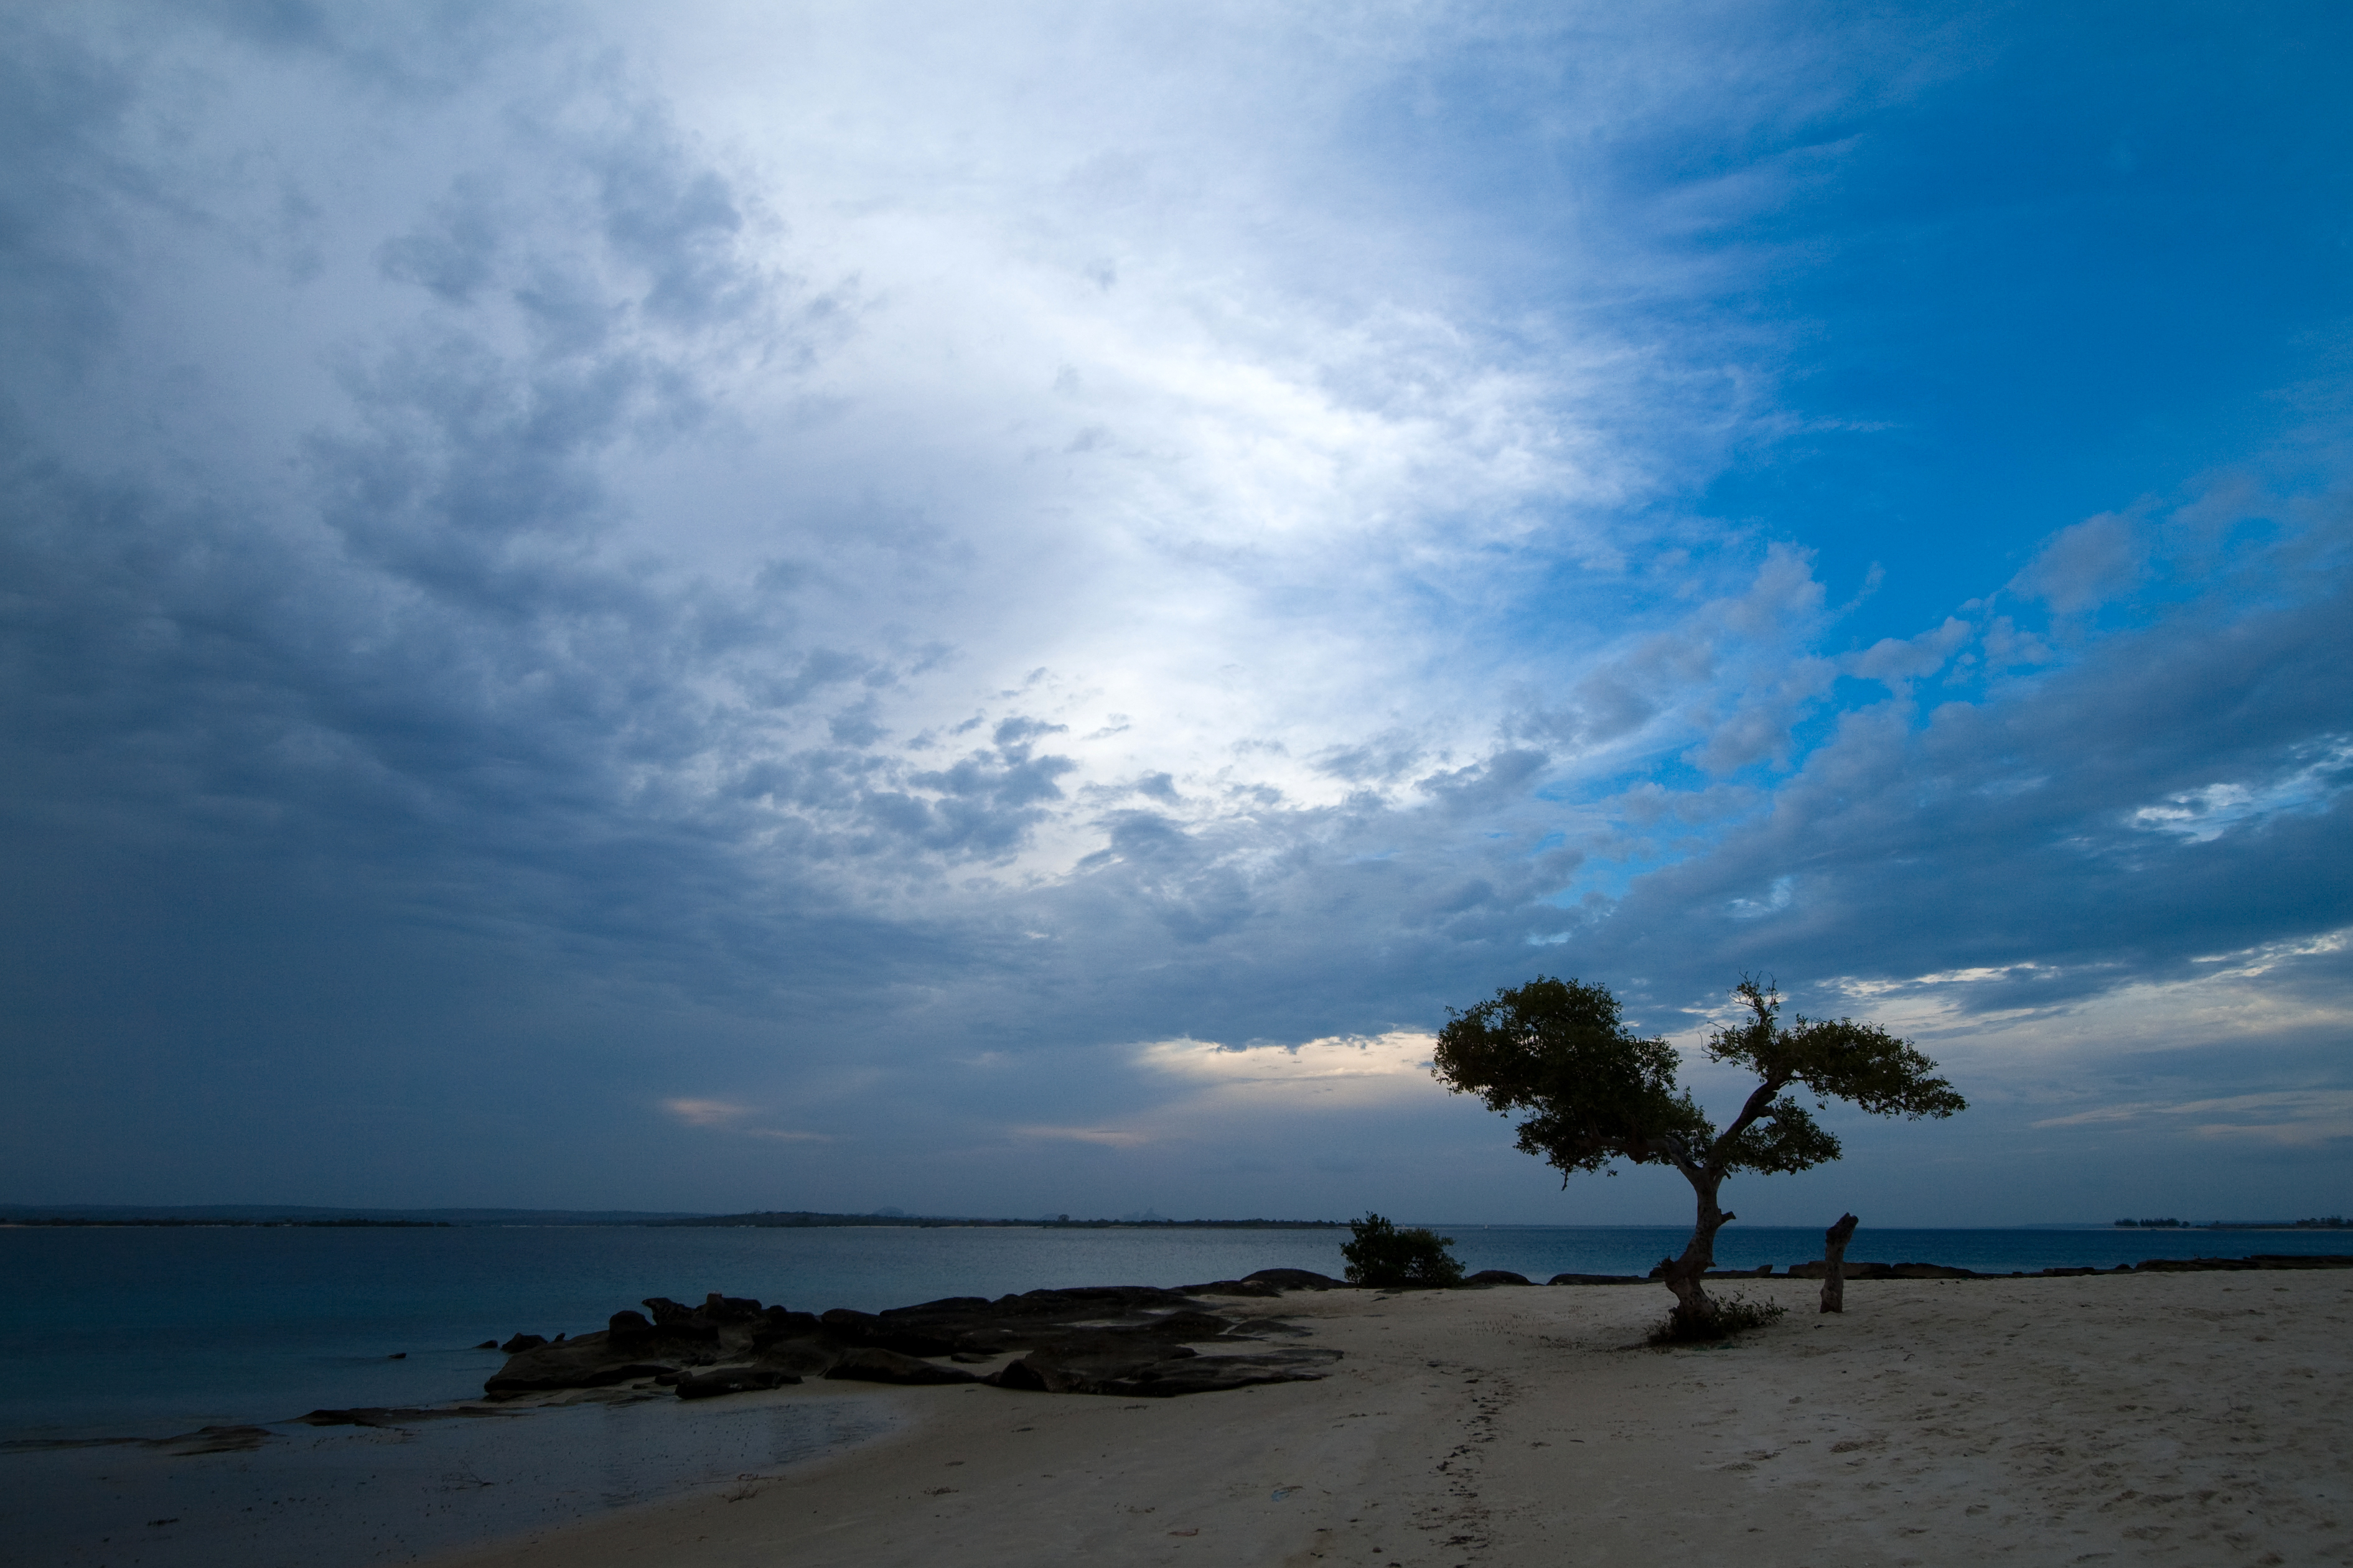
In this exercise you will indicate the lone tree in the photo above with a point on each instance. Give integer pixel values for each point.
(1595, 1092)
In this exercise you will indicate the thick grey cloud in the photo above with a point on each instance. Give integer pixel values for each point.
(522, 608)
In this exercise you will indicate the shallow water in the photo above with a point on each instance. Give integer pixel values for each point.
(343, 1495)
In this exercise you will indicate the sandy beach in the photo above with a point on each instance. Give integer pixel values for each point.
(2196, 1418)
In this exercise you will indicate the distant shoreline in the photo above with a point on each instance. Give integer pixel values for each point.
(301, 1216)
(798, 1219)
(765, 1220)
(170, 1224)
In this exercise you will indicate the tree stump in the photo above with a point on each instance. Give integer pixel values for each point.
(1834, 1241)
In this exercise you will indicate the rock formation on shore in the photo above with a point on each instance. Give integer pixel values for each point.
(1122, 1340)
(1125, 1340)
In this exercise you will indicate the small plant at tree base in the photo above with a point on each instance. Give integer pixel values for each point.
(1385, 1255)
(1735, 1316)
(1596, 1092)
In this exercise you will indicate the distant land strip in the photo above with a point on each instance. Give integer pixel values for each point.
(797, 1219)
(2334, 1221)
(247, 1223)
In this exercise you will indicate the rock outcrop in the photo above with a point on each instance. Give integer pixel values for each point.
(721, 1380)
(1113, 1339)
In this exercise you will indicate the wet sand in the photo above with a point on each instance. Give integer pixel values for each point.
(2191, 1419)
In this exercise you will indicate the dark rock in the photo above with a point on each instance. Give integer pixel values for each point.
(1595, 1280)
(673, 1319)
(588, 1361)
(1934, 1271)
(1179, 1326)
(1118, 1371)
(488, 1345)
(721, 1380)
(810, 1356)
(1296, 1279)
(776, 1323)
(1813, 1269)
(599, 1361)
(720, 1310)
(1498, 1277)
(1231, 1288)
(870, 1364)
(1108, 1336)
(904, 1335)
(399, 1415)
(522, 1342)
(214, 1440)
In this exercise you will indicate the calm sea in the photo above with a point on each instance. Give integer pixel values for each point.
(106, 1331)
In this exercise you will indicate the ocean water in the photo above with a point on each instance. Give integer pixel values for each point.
(151, 1333)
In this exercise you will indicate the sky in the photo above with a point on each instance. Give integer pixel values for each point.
(993, 609)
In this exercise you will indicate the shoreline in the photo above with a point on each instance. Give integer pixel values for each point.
(588, 1472)
(2186, 1418)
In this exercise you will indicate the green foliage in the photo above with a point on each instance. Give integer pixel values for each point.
(1383, 1255)
(1592, 1092)
(1835, 1058)
(1735, 1316)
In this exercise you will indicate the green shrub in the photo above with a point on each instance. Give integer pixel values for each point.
(1385, 1255)
(1735, 1316)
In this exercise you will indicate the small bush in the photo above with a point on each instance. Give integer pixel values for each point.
(1735, 1316)
(1382, 1255)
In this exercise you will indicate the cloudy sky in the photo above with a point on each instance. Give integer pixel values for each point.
(994, 608)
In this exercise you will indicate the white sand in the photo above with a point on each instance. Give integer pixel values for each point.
(2189, 1419)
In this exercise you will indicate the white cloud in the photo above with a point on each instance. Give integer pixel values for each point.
(2086, 564)
(2205, 813)
(1107, 1137)
(2287, 1117)
(1339, 1071)
(707, 1113)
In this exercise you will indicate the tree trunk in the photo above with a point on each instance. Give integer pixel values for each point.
(1694, 1315)
(1834, 1241)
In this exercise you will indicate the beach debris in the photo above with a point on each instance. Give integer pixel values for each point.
(1834, 1241)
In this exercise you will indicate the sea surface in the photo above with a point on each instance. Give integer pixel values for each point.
(107, 1331)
